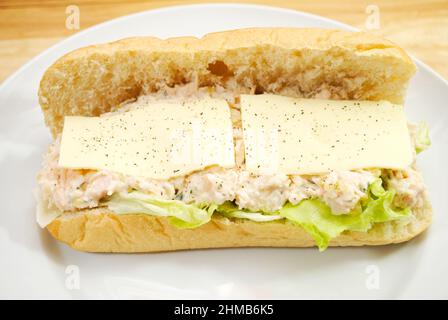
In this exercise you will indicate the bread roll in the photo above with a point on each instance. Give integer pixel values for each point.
(99, 230)
(295, 62)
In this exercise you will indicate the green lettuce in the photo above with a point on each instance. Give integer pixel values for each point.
(230, 210)
(313, 215)
(180, 214)
(317, 219)
(422, 141)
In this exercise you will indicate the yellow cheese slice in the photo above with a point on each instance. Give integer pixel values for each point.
(155, 139)
(311, 136)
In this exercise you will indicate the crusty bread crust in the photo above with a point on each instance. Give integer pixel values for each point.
(99, 230)
(290, 61)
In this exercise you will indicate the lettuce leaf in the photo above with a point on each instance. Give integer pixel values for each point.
(313, 215)
(422, 141)
(317, 219)
(230, 210)
(180, 214)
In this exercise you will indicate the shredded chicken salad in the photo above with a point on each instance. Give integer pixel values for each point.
(341, 191)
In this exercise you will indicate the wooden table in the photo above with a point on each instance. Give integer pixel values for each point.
(28, 27)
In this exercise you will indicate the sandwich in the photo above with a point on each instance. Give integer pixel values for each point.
(265, 137)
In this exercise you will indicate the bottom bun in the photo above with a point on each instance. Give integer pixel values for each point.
(99, 230)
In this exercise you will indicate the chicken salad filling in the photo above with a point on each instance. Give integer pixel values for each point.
(190, 201)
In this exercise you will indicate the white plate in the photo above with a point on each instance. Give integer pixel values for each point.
(33, 265)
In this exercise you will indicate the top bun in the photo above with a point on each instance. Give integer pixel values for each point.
(296, 62)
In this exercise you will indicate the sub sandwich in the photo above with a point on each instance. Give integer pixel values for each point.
(269, 137)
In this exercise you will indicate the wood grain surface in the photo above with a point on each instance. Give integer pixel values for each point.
(27, 27)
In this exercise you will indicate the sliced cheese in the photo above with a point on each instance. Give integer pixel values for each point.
(310, 136)
(155, 139)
